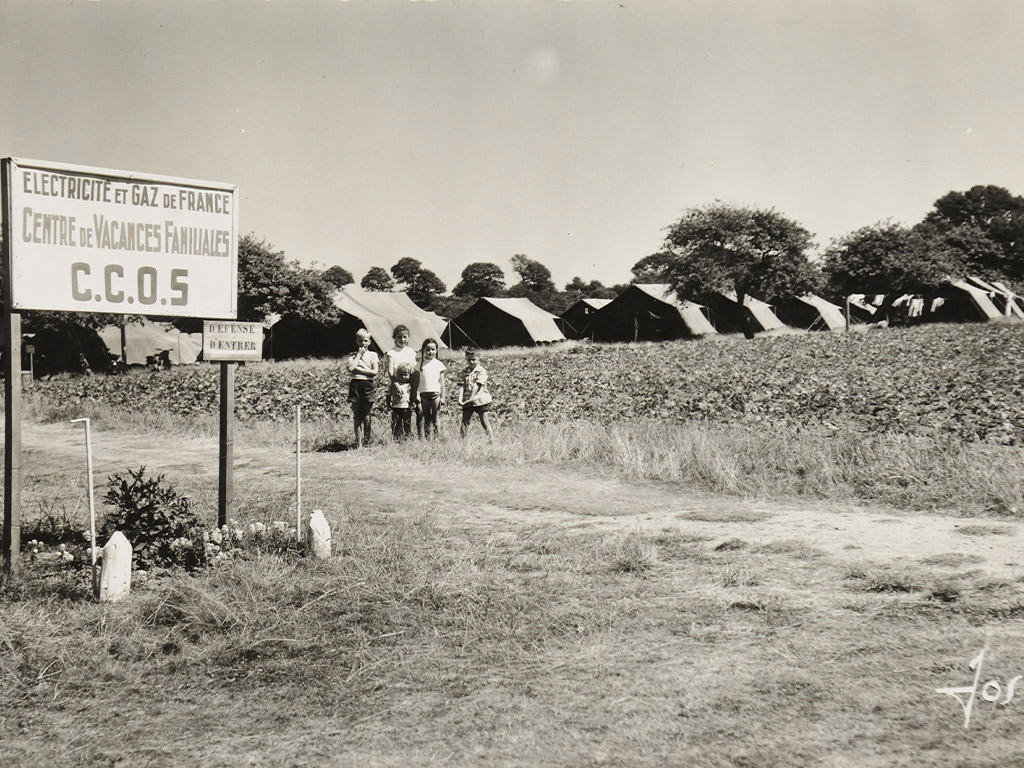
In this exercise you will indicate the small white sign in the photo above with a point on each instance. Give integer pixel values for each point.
(97, 240)
(232, 341)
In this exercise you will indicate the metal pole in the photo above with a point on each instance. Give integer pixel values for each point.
(298, 472)
(92, 505)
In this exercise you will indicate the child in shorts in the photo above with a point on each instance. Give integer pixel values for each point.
(474, 396)
(363, 365)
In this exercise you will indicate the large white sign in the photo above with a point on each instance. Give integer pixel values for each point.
(96, 240)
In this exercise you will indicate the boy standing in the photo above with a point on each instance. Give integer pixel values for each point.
(362, 364)
(474, 396)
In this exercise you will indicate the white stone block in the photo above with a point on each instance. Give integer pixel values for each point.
(116, 573)
(318, 535)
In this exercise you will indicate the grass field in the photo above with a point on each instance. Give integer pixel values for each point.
(571, 594)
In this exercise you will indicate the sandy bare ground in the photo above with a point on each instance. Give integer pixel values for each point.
(508, 498)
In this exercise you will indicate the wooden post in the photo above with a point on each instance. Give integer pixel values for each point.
(226, 486)
(12, 441)
(124, 342)
(847, 314)
(12, 391)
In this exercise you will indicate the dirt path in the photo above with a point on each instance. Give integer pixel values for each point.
(513, 496)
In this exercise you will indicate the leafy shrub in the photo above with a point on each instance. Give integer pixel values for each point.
(157, 520)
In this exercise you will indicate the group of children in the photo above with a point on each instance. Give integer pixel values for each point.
(413, 387)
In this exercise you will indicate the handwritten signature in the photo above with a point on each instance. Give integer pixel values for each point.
(990, 691)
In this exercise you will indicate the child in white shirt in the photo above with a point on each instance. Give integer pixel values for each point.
(430, 390)
(363, 365)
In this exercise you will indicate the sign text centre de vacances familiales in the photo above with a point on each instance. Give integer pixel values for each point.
(96, 240)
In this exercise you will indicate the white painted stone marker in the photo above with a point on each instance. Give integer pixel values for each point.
(116, 573)
(318, 535)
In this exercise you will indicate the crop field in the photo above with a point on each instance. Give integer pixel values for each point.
(962, 382)
(778, 553)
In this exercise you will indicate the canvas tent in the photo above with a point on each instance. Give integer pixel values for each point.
(1005, 300)
(577, 322)
(377, 311)
(380, 311)
(811, 313)
(64, 347)
(152, 343)
(650, 312)
(491, 323)
(728, 315)
(979, 298)
(967, 300)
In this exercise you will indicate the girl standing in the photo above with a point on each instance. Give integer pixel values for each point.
(430, 390)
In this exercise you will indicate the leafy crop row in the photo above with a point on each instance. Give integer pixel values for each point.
(957, 381)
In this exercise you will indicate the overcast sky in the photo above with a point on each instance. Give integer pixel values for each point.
(573, 132)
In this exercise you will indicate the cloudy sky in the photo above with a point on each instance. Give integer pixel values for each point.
(573, 132)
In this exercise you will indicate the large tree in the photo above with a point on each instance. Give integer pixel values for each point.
(888, 258)
(427, 287)
(377, 279)
(535, 284)
(406, 270)
(337, 276)
(577, 289)
(269, 284)
(534, 277)
(422, 285)
(986, 224)
(481, 278)
(653, 268)
(748, 251)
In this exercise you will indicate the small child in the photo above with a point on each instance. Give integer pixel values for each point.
(474, 396)
(430, 390)
(400, 402)
(398, 355)
(362, 364)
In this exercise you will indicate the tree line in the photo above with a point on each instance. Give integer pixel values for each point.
(709, 249)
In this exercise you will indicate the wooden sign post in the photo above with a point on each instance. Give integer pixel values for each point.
(226, 452)
(229, 342)
(12, 398)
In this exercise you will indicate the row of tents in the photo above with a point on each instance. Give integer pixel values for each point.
(644, 312)
(651, 312)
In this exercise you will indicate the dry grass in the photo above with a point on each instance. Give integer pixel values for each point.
(441, 633)
(425, 644)
(847, 465)
(918, 473)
